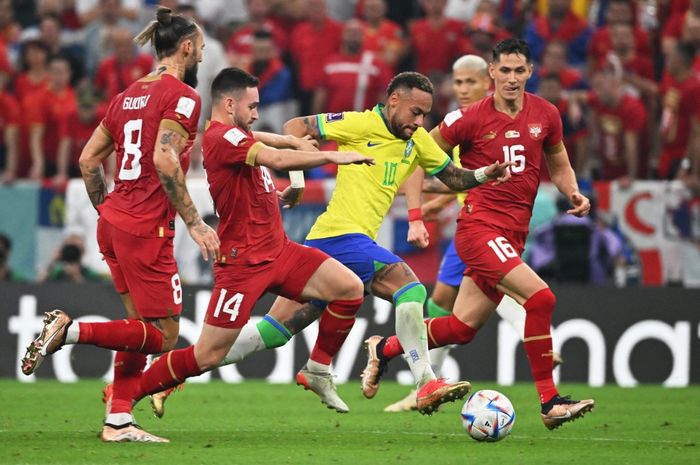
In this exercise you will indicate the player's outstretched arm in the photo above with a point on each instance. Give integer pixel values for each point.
(286, 160)
(166, 158)
(564, 178)
(459, 179)
(97, 148)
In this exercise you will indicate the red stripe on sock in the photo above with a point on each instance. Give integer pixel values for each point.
(171, 369)
(333, 328)
(130, 335)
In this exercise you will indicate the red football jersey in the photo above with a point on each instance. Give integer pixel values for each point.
(138, 204)
(245, 198)
(484, 136)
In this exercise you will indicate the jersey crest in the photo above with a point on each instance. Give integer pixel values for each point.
(535, 130)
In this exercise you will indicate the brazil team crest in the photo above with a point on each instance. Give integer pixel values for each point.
(535, 130)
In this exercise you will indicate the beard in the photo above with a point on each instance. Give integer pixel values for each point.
(190, 77)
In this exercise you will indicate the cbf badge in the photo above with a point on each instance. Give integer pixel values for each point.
(407, 152)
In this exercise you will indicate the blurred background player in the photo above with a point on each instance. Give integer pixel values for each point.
(516, 127)
(152, 125)
(257, 256)
(470, 83)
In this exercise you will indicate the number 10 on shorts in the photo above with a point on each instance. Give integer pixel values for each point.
(229, 306)
(502, 248)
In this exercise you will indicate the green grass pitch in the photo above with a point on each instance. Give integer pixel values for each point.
(258, 423)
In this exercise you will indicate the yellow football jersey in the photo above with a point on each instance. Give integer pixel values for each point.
(363, 194)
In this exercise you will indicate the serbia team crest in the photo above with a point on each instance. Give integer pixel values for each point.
(535, 130)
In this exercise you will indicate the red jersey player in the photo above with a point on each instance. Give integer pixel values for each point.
(151, 126)
(515, 127)
(256, 255)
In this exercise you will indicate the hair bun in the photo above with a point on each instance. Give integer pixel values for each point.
(164, 16)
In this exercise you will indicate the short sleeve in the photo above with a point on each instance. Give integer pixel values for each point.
(238, 147)
(553, 139)
(430, 156)
(342, 127)
(34, 112)
(11, 110)
(183, 108)
(636, 117)
(454, 127)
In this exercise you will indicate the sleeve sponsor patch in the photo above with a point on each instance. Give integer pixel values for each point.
(451, 117)
(330, 117)
(235, 136)
(185, 106)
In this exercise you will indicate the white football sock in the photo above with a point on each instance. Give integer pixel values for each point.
(73, 333)
(513, 313)
(437, 357)
(248, 342)
(317, 367)
(119, 419)
(413, 336)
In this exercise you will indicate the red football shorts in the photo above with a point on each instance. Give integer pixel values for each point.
(490, 252)
(144, 267)
(238, 287)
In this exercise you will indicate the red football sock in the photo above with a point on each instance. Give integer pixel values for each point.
(538, 342)
(333, 328)
(128, 367)
(442, 331)
(130, 335)
(171, 369)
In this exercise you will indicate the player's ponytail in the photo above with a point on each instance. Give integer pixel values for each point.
(166, 32)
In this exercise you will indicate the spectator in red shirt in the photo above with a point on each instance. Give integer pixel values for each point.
(435, 40)
(680, 117)
(382, 36)
(82, 124)
(46, 115)
(618, 122)
(554, 63)
(637, 68)
(618, 11)
(308, 51)
(35, 70)
(673, 29)
(562, 24)
(123, 67)
(50, 30)
(239, 43)
(353, 79)
(9, 128)
(482, 34)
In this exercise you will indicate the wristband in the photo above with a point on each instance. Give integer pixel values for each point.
(480, 175)
(415, 214)
(297, 179)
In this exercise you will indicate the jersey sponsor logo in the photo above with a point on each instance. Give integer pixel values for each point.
(512, 134)
(535, 130)
(135, 103)
(235, 136)
(490, 135)
(185, 106)
(372, 144)
(451, 117)
(330, 117)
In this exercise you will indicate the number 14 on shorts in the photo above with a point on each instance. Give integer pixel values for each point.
(229, 306)
(502, 248)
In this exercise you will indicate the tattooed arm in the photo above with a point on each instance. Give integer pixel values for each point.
(166, 158)
(95, 151)
(303, 126)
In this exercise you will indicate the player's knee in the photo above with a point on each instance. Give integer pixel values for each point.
(541, 302)
(351, 289)
(412, 292)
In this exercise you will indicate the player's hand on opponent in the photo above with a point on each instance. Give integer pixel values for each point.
(582, 206)
(417, 234)
(499, 172)
(350, 158)
(306, 143)
(206, 239)
(291, 196)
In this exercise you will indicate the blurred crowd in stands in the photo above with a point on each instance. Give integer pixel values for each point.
(625, 74)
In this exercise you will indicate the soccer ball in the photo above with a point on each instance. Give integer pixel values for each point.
(488, 416)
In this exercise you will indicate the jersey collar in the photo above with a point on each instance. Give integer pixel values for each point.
(379, 109)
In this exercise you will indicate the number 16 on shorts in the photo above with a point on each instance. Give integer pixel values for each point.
(502, 248)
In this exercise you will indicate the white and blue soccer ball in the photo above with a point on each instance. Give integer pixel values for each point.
(488, 416)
